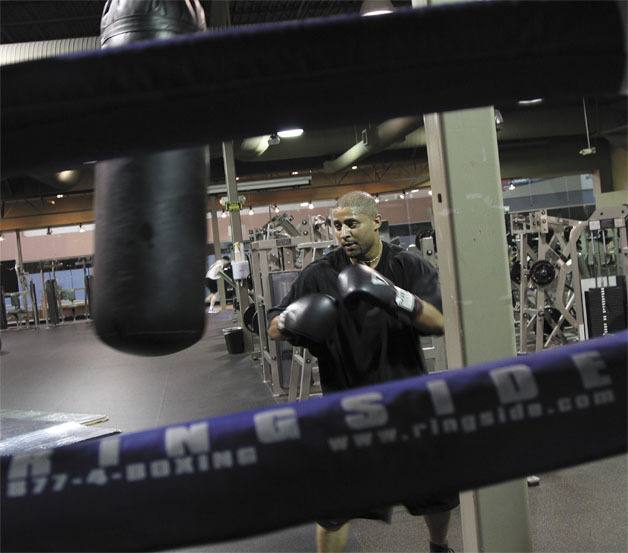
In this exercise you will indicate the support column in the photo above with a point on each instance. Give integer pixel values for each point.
(473, 265)
(217, 250)
(472, 257)
(236, 235)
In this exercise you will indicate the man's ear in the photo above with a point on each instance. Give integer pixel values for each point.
(378, 221)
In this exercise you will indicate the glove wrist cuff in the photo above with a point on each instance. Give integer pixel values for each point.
(408, 302)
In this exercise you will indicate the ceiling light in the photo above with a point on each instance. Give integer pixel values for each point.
(237, 178)
(511, 187)
(304, 204)
(52, 202)
(354, 167)
(530, 102)
(414, 191)
(59, 196)
(81, 229)
(68, 176)
(376, 199)
(290, 133)
(1, 238)
(294, 173)
(499, 119)
(429, 192)
(310, 205)
(251, 211)
(376, 7)
(276, 208)
(402, 196)
(223, 214)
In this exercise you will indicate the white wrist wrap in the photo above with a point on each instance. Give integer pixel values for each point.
(404, 299)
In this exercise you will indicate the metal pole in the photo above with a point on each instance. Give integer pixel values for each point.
(217, 251)
(236, 234)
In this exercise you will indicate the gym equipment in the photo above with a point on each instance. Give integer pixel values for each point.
(542, 272)
(150, 215)
(214, 479)
(52, 302)
(275, 264)
(567, 260)
(251, 321)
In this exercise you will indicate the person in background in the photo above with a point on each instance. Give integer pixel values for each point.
(211, 281)
(360, 310)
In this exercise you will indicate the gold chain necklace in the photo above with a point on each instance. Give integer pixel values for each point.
(373, 262)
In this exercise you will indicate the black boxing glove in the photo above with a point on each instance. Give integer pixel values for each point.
(361, 283)
(310, 319)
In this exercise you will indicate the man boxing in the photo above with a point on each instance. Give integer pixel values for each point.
(360, 310)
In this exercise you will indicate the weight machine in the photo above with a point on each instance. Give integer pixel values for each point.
(569, 277)
(278, 252)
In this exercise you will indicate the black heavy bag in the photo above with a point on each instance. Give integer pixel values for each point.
(150, 215)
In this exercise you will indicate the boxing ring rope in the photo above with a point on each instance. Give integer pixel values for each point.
(186, 91)
(329, 457)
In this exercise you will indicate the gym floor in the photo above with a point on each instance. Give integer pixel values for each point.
(66, 369)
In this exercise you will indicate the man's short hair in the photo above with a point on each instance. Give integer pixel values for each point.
(226, 258)
(362, 202)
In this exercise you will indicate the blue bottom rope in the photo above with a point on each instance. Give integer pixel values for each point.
(330, 457)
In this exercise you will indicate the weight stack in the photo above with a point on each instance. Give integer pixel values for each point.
(606, 309)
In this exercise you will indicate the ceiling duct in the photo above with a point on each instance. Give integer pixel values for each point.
(374, 141)
(27, 51)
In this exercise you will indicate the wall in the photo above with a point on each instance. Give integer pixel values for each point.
(58, 246)
(619, 194)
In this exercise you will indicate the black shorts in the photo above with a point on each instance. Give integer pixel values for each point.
(427, 505)
(212, 285)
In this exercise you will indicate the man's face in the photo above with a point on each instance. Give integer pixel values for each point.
(356, 232)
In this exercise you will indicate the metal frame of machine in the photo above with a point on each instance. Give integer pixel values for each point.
(549, 287)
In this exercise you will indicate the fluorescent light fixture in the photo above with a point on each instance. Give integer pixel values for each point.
(223, 214)
(237, 178)
(1, 238)
(354, 167)
(81, 229)
(59, 196)
(276, 208)
(66, 230)
(429, 192)
(511, 187)
(263, 184)
(310, 205)
(414, 191)
(290, 133)
(530, 102)
(376, 7)
(36, 232)
(402, 196)
(52, 202)
(377, 12)
(295, 173)
(304, 204)
(251, 211)
(376, 199)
